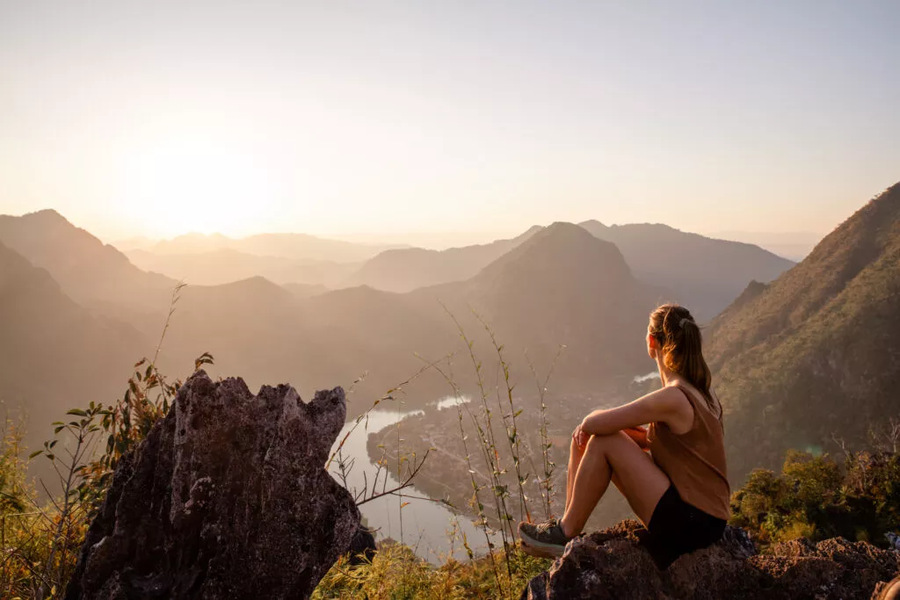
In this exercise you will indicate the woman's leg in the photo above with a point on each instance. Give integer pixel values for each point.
(575, 454)
(612, 458)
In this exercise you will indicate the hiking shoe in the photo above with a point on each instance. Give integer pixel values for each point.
(545, 539)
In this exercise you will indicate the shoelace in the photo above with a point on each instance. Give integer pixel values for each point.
(546, 526)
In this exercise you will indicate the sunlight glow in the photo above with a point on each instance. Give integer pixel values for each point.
(196, 186)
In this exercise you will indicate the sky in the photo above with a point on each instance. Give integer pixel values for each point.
(383, 118)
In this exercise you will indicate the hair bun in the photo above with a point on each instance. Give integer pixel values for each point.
(685, 320)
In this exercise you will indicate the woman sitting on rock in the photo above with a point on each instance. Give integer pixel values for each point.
(679, 489)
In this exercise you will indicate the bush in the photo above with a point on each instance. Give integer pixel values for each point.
(818, 497)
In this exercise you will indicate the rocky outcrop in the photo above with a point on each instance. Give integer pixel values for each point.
(227, 497)
(613, 564)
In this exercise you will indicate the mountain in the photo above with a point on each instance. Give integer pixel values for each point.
(562, 286)
(226, 265)
(705, 274)
(702, 273)
(55, 354)
(816, 353)
(403, 270)
(296, 246)
(90, 272)
(249, 324)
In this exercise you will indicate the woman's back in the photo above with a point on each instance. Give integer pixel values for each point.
(695, 461)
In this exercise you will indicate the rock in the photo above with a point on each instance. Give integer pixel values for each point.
(227, 497)
(614, 564)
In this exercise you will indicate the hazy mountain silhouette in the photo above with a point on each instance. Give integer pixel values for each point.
(90, 272)
(702, 273)
(297, 246)
(816, 352)
(227, 265)
(55, 354)
(705, 274)
(563, 286)
(403, 270)
(551, 286)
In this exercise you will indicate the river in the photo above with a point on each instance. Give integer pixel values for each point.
(423, 525)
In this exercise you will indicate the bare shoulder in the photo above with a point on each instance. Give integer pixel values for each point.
(672, 407)
(669, 398)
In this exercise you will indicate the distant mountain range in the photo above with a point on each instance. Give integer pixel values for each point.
(297, 246)
(403, 270)
(226, 265)
(812, 353)
(705, 274)
(562, 286)
(542, 294)
(816, 353)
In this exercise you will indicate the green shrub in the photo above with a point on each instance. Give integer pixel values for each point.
(818, 497)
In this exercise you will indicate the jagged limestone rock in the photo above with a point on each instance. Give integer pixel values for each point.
(613, 564)
(228, 497)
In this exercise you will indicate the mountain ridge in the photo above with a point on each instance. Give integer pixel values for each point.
(705, 274)
(817, 352)
(91, 272)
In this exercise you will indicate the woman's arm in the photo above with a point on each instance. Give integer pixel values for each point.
(664, 405)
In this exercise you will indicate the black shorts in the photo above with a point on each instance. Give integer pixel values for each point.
(677, 528)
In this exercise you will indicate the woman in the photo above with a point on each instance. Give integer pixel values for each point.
(678, 489)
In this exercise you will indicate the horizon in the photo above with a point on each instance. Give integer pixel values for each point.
(399, 119)
(793, 245)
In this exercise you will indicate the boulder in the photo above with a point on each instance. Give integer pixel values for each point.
(227, 497)
(614, 564)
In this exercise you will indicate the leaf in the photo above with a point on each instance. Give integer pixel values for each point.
(77, 412)
(35, 453)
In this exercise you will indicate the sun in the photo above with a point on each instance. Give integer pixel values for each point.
(196, 186)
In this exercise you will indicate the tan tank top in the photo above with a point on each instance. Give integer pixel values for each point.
(695, 461)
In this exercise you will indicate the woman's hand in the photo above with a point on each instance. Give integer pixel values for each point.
(580, 437)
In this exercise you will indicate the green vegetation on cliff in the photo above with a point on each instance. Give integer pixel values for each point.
(817, 352)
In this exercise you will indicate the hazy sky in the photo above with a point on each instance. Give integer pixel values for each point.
(338, 117)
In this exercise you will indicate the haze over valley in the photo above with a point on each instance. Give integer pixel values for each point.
(314, 311)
